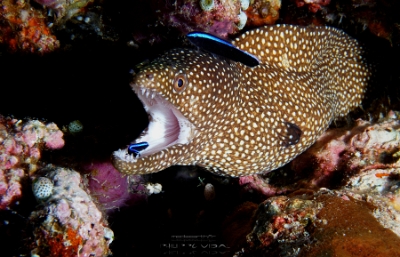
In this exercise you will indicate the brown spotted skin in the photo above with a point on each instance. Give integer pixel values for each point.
(254, 120)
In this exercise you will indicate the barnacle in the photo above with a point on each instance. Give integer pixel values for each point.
(207, 5)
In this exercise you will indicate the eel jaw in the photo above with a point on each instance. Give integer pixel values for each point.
(167, 125)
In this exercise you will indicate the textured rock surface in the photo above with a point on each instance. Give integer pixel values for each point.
(69, 223)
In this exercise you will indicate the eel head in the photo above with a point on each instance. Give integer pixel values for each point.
(182, 93)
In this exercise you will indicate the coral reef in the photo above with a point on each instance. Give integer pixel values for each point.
(362, 161)
(218, 17)
(68, 223)
(308, 223)
(283, 220)
(29, 27)
(20, 147)
(23, 28)
(341, 198)
(263, 12)
(385, 202)
(348, 228)
(312, 5)
(357, 158)
(257, 183)
(342, 153)
(376, 16)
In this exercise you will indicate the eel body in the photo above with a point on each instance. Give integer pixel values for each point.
(235, 120)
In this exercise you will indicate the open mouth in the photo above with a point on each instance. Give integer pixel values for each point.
(167, 125)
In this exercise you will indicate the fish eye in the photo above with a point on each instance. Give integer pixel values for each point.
(180, 82)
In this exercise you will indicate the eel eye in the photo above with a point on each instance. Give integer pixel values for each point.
(180, 82)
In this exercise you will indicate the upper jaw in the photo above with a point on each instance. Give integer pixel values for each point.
(167, 125)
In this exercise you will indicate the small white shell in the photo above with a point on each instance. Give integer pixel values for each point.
(242, 20)
(108, 235)
(42, 188)
(75, 127)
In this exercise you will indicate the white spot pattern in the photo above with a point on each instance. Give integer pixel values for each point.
(308, 76)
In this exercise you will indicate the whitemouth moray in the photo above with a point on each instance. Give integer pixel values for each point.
(236, 120)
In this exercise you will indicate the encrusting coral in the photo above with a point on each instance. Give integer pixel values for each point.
(24, 28)
(263, 12)
(20, 146)
(68, 223)
(309, 223)
(218, 17)
(341, 154)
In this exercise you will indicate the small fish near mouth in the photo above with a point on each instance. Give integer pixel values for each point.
(136, 148)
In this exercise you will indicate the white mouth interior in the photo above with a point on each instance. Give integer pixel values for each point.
(167, 126)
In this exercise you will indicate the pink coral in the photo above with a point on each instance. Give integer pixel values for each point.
(346, 152)
(258, 184)
(187, 16)
(53, 139)
(10, 186)
(112, 189)
(107, 185)
(20, 151)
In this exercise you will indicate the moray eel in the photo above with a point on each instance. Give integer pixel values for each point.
(235, 120)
